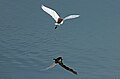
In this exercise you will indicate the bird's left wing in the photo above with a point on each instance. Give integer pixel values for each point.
(67, 68)
(51, 12)
(71, 17)
(51, 66)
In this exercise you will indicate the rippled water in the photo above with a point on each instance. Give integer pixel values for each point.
(89, 44)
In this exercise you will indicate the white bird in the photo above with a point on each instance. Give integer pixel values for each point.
(56, 17)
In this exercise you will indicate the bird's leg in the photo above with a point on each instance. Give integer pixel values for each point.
(56, 26)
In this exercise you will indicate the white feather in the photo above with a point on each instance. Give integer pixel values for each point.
(71, 17)
(51, 12)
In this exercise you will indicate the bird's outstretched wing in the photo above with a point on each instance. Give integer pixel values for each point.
(51, 66)
(71, 17)
(67, 68)
(51, 12)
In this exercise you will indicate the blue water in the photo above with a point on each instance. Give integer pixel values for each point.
(89, 44)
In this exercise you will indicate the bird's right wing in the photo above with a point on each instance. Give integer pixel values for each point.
(51, 66)
(51, 12)
(71, 17)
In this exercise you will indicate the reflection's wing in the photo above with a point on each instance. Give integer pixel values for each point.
(71, 17)
(67, 68)
(51, 12)
(51, 66)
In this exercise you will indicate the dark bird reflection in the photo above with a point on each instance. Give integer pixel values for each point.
(59, 60)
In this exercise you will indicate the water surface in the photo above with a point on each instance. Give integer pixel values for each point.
(89, 44)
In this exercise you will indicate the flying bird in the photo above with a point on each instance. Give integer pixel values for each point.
(59, 61)
(56, 17)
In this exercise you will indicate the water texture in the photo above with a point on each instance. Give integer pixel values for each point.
(89, 44)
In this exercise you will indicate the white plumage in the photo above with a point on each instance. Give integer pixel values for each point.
(51, 12)
(56, 17)
(71, 17)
